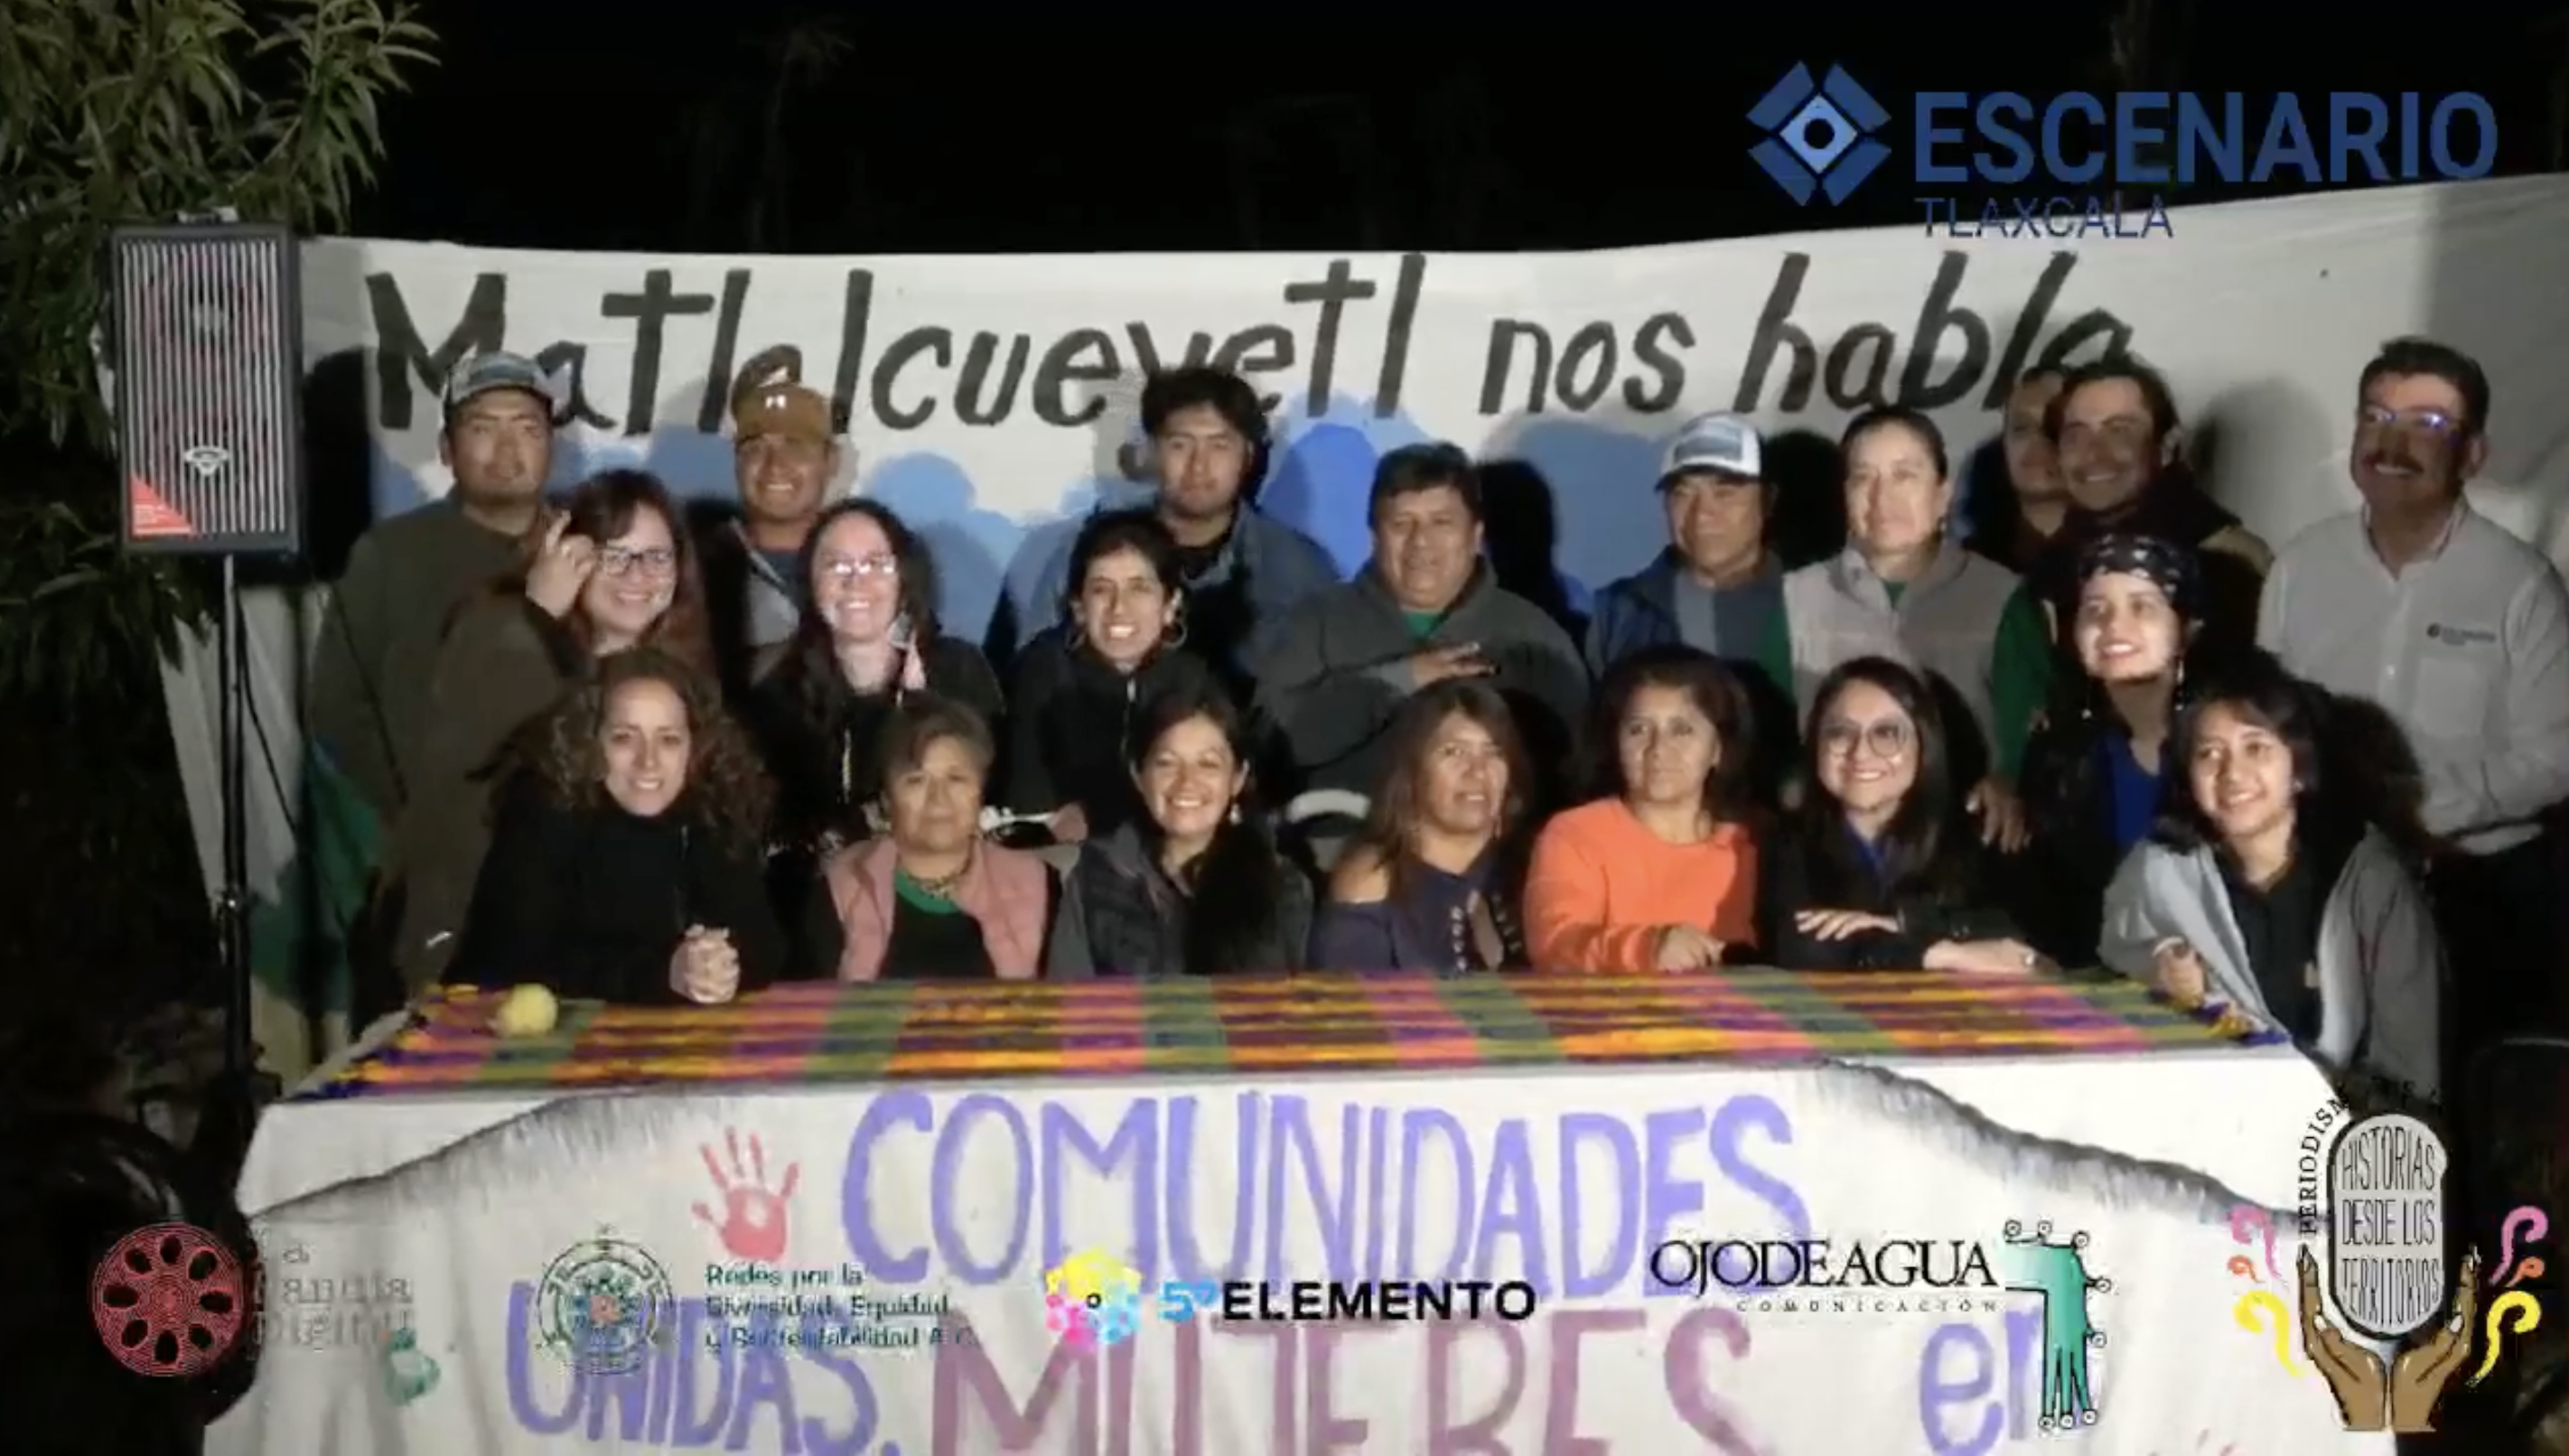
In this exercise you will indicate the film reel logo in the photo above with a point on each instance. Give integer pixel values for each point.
(170, 1299)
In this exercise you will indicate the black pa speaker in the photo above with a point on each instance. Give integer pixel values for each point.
(207, 348)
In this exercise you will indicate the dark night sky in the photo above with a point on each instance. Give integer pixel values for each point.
(1012, 137)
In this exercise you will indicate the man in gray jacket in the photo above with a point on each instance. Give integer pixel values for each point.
(1425, 608)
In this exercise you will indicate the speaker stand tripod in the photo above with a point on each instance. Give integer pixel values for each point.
(233, 1105)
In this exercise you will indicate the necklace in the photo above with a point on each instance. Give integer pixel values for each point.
(943, 887)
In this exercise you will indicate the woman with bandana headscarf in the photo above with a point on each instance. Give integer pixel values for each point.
(2091, 772)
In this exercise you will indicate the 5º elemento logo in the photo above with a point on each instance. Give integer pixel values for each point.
(1819, 134)
(1092, 1301)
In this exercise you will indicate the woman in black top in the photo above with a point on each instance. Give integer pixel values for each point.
(868, 640)
(1436, 878)
(627, 866)
(2092, 770)
(1874, 869)
(1195, 885)
(1080, 685)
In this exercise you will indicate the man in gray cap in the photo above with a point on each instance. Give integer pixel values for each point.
(405, 576)
(1717, 586)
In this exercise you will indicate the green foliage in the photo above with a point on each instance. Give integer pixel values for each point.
(119, 112)
(78, 625)
(116, 113)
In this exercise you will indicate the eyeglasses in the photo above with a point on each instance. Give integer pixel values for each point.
(1889, 739)
(2422, 422)
(847, 568)
(621, 561)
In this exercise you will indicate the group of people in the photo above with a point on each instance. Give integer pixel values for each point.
(2089, 720)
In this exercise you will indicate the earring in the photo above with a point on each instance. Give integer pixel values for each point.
(1071, 635)
(1177, 635)
(1234, 811)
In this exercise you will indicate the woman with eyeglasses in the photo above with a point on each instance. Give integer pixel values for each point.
(610, 571)
(867, 643)
(1877, 868)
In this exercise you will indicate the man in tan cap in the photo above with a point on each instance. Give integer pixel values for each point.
(783, 455)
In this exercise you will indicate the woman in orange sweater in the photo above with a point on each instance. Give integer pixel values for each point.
(1659, 874)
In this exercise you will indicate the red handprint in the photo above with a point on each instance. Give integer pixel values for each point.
(752, 1224)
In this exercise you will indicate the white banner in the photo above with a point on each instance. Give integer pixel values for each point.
(989, 398)
(899, 1241)
(985, 395)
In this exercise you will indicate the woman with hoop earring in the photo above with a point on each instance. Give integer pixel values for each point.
(1083, 686)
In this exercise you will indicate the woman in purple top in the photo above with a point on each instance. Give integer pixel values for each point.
(1432, 881)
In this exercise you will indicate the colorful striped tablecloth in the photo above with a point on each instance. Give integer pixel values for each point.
(897, 1031)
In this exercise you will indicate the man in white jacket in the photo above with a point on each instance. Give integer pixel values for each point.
(2461, 632)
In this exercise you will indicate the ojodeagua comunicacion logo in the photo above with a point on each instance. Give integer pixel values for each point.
(2031, 1263)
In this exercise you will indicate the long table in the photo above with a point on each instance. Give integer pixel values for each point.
(823, 1221)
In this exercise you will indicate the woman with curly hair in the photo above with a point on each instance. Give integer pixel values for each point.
(612, 569)
(629, 864)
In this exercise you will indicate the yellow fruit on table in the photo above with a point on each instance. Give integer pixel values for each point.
(528, 1011)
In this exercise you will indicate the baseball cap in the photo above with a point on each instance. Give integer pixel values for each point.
(483, 373)
(780, 407)
(1724, 443)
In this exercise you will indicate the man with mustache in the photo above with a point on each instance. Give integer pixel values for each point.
(783, 455)
(2115, 431)
(2461, 632)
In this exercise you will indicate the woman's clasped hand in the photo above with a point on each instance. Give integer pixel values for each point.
(705, 969)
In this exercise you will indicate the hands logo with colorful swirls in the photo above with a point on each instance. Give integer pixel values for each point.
(1092, 1301)
(2401, 1397)
(2031, 1263)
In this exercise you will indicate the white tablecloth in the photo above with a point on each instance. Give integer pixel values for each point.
(940, 1192)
